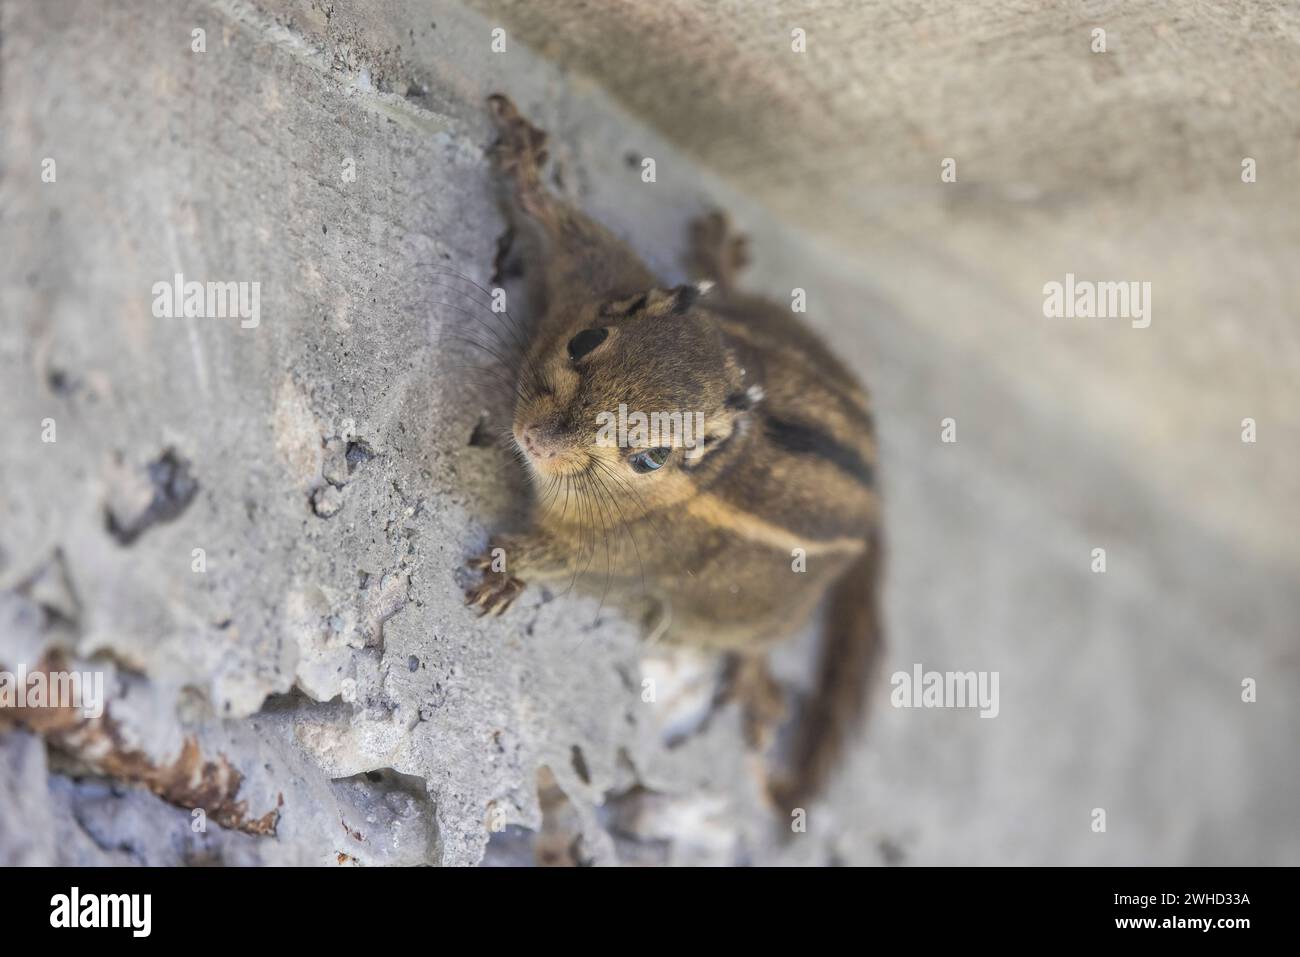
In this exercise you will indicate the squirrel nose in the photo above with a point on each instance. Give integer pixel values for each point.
(535, 444)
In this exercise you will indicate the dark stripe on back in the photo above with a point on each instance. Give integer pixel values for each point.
(807, 440)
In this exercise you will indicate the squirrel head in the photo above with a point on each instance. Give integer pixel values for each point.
(630, 396)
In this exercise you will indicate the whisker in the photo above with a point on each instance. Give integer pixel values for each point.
(519, 334)
(646, 513)
(605, 469)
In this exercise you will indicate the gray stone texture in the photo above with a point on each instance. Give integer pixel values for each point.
(321, 673)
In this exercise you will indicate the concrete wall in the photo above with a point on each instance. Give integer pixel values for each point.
(319, 691)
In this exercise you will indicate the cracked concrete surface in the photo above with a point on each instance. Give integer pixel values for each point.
(256, 532)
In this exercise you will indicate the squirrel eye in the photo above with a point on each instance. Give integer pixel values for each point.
(585, 341)
(649, 460)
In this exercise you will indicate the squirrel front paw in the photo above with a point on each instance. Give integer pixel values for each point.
(494, 594)
(520, 146)
(717, 252)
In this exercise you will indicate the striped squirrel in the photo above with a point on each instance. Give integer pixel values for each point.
(738, 535)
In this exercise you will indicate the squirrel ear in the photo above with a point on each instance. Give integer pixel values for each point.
(686, 296)
(733, 419)
(743, 401)
(657, 302)
(683, 298)
(719, 429)
(624, 308)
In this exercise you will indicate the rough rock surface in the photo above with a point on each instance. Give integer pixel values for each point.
(255, 533)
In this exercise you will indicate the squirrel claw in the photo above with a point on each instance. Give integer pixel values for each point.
(717, 252)
(503, 108)
(494, 594)
(521, 144)
(480, 563)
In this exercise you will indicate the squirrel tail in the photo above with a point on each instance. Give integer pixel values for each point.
(851, 648)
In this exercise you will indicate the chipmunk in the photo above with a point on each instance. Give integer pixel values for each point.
(740, 535)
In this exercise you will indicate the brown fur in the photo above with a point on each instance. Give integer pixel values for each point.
(787, 462)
